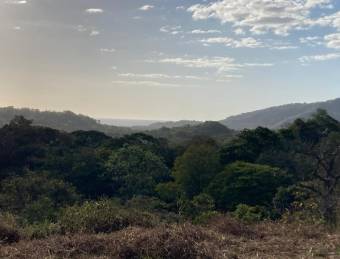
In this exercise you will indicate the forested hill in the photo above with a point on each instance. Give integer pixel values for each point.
(64, 121)
(176, 132)
(280, 116)
(177, 135)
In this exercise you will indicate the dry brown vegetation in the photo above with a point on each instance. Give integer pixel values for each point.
(221, 238)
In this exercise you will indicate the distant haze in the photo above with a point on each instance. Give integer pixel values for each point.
(127, 122)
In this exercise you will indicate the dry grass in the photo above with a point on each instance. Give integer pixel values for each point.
(222, 238)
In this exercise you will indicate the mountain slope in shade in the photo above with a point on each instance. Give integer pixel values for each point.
(178, 135)
(64, 121)
(280, 116)
(168, 124)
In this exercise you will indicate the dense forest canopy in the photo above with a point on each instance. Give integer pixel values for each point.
(255, 168)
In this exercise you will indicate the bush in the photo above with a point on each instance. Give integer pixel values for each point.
(9, 232)
(205, 217)
(250, 214)
(103, 216)
(200, 204)
(35, 196)
(41, 230)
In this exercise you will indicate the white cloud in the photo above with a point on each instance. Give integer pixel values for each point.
(16, 2)
(332, 20)
(323, 57)
(174, 30)
(17, 28)
(242, 43)
(146, 7)
(261, 16)
(311, 41)
(333, 41)
(106, 50)
(81, 28)
(258, 64)
(199, 31)
(220, 64)
(146, 83)
(239, 31)
(94, 33)
(161, 76)
(94, 11)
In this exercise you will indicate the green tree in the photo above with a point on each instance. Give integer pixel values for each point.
(136, 171)
(245, 183)
(249, 144)
(194, 170)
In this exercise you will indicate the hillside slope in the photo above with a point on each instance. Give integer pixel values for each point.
(64, 121)
(184, 134)
(279, 116)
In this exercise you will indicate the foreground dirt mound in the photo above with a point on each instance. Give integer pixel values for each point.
(223, 238)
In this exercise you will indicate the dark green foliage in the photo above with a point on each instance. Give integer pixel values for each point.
(197, 167)
(250, 214)
(103, 216)
(245, 183)
(168, 192)
(249, 144)
(35, 196)
(184, 134)
(199, 205)
(136, 171)
(45, 173)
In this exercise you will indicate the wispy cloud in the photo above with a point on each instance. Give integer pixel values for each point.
(107, 50)
(162, 76)
(94, 33)
(333, 40)
(322, 57)
(199, 31)
(94, 11)
(16, 2)
(147, 83)
(241, 43)
(146, 7)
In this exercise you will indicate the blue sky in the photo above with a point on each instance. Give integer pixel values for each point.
(168, 59)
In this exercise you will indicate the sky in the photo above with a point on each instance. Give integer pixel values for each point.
(168, 59)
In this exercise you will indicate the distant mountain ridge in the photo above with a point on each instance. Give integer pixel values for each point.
(176, 132)
(64, 121)
(167, 124)
(279, 116)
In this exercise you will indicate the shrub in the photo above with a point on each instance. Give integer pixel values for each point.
(250, 214)
(103, 216)
(41, 230)
(200, 204)
(35, 196)
(205, 217)
(9, 232)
